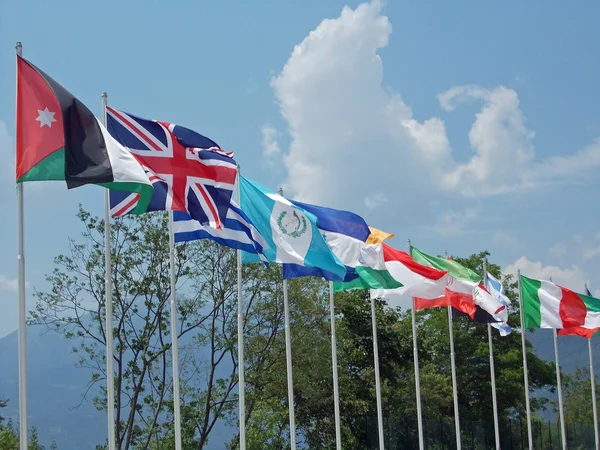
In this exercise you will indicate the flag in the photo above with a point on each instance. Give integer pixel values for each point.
(346, 234)
(430, 287)
(290, 232)
(462, 287)
(237, 232)
(58, 138)
(548, 305)
(190, 173)
(417, 280)
(370, 271)
(579, 331)
(496, 289)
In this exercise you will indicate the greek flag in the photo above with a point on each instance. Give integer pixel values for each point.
(237, 232)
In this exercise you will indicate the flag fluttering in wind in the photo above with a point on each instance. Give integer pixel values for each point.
(237, 232)
(548, 305)
(59, 139)
(465, 286)
(190, 172)
(291, 233)
(346, 234)
(425, 283)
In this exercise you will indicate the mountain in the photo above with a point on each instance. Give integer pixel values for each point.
(54, 391)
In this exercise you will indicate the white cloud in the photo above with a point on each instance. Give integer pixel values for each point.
(504, 239)
(572, 278)
(375, 201)
(270, 145)
(453, 222)
(8, 284)
(558, 250)
(353, 138)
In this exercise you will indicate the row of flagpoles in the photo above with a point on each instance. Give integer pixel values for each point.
(240, 326)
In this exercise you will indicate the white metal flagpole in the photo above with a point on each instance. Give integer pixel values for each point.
(22, 302)
(336, 392)
(593, 381)
(454, 383)
(377, 377)
(288, 359)
(241, 380)
(492, 369)
(525, 371)
(174, 338)
(454, 386)
(561, 413)
(416, 363)
(108, 304)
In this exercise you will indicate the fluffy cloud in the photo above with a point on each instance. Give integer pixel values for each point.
(572, 278)
(8, 284)
(270, 145)
(353, 138)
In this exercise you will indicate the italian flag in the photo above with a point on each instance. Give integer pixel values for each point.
(58, 138)
(548, 305)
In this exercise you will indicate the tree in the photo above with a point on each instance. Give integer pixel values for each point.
(141, 295)
(577, 395)
(312, 370)
(9, 434)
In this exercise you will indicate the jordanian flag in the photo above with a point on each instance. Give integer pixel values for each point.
(548, 305)
(58, 138)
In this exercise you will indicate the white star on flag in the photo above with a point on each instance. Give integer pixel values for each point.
(46, 118)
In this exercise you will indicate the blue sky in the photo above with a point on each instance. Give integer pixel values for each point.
(463, 126)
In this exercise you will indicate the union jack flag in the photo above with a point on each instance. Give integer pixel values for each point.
(189, 172)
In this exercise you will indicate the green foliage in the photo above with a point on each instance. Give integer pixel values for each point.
(207, 318)
(9, 434)
(577, 395)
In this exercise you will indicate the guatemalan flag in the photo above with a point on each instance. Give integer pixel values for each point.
(290, 231)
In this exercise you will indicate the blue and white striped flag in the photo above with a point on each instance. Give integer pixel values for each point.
(238, 232)
(496, 288)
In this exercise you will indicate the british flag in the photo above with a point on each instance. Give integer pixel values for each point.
(189, 172)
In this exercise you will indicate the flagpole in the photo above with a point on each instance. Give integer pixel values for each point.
(108, 304)
(377, 377)
(492, 368)
(23, 438)
(454, 384)
(593, 381)
(560, 399)
(241, 380)
(336, 392)
(416, 363)
(561, 413)
(174, 338)
(525, 371)
(288, 359)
